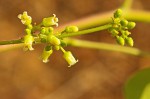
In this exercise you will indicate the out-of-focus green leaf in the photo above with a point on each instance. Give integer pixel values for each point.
(146, 92)
(135, 86)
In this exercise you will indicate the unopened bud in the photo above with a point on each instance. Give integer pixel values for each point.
(124, 22)
(118, 13)
(53, 40)
(43, 38)
(127, 33)
(120, 40)
(114, 32)
(28, 31)
(43, 30)
(131, 25)
(117, 20)
(29, 26)
(57, 47)
(129, 41)
(71, 29)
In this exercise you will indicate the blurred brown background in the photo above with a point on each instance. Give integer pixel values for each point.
(97, 75)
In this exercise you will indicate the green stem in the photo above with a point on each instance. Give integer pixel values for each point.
(11, 42)
(104, 46)
(104, 18)
(127, 4)
(62, 49)
(104, 27)
(134, 15)
(96, 20)
(138, 16)
(64, 35)
(36, 27)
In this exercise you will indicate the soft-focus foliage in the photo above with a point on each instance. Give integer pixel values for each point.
(138, 86)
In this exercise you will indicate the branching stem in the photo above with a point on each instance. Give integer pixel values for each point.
(100, 28)
(108, 47)
(11, 42)
(127, 4)
(97, 20)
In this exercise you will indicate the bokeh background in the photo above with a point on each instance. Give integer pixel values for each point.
(97, 75)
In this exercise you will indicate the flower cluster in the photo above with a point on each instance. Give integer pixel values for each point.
(47, 36)
(28, 38)
(54, 40)
(120, 27)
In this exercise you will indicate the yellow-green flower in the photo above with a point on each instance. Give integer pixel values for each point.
(25, 19)
(50, 21)
(69, 58)
(53, 40)
(46, 54)
(28, 41)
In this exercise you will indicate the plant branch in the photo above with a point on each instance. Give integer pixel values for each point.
(134, 15)
(63, 35)
(104, 27)
(104, 18)
(127, 4)
(11, 42)
(138, 16)
(99, 19)
(105, 46)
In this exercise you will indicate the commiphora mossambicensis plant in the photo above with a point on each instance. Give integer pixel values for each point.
(54, 40)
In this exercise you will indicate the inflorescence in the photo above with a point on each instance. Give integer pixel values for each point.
(46, 35)
(119, 29)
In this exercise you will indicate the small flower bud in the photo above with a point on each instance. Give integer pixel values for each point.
(124, 22)
(43, 29)
(28, 40)
(71, 29)
(115, 26)
(49, 30)
(129, 41)
(46, 53)
(46, 30)
(57, 47)
(131, 25)
(50, 21)
(53, 40)
(120, 40)
(43, 38)
(126, 33)
(29, 26)
(117, 20)
(69, 58)
(63, 43)
(118, 13)
(28, 31)
(114, 32)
